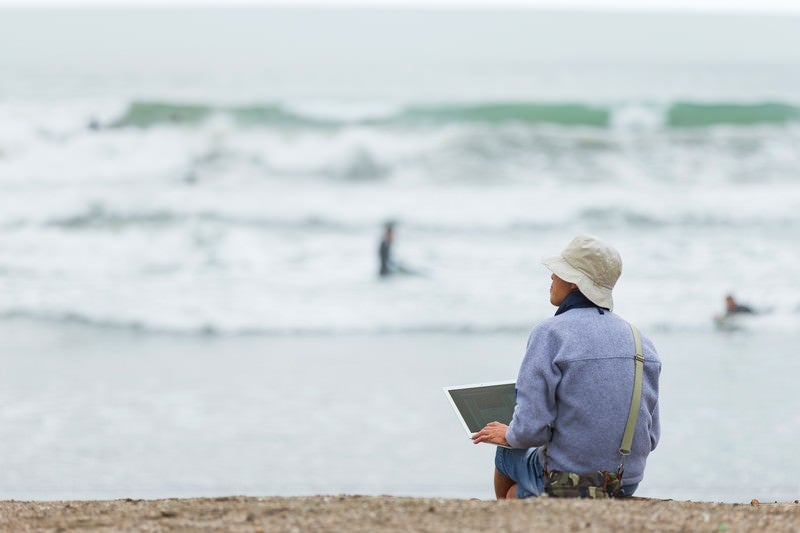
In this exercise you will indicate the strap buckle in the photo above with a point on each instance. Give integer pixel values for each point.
(623, 454)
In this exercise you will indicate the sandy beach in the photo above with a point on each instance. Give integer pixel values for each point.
(385, 513)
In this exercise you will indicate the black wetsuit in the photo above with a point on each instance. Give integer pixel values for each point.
(385, 252)
(740, 309)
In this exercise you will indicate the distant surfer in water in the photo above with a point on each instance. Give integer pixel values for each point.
(388, 265)
(732, 307)
(385, 251)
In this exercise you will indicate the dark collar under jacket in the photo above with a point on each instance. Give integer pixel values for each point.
(576, 300)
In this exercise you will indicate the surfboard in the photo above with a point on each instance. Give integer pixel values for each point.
(727, 322)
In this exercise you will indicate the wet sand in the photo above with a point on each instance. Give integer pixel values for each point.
(388, 513)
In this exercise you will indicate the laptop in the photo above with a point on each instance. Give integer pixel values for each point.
(478, 404)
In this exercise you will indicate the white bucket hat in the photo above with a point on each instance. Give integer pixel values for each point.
(592, 265)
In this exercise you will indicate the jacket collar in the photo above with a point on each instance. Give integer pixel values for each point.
(576, 300)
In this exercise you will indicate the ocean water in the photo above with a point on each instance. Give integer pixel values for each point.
(176, 179)
(90, 414)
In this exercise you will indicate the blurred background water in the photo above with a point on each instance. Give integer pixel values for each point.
(180, 178)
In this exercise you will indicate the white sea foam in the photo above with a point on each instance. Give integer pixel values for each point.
(151, 223)
(239, 184)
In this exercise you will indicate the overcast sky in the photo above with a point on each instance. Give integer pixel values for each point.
(682, 5)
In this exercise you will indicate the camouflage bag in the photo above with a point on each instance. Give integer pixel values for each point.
(592, 485)
(601, 484)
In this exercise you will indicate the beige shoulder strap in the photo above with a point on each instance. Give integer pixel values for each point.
(633, 414)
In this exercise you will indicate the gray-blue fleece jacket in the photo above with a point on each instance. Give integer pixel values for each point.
(574, 392)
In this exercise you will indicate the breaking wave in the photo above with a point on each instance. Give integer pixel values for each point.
(681, 114)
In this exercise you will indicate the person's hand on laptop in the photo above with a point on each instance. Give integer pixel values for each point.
(493, 432)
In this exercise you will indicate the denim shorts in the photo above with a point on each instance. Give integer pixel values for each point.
(523, 466)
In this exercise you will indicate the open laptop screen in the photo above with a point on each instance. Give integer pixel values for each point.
(479, 404)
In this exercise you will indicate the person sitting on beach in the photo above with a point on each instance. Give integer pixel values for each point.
(732, 307)
(574, 389)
